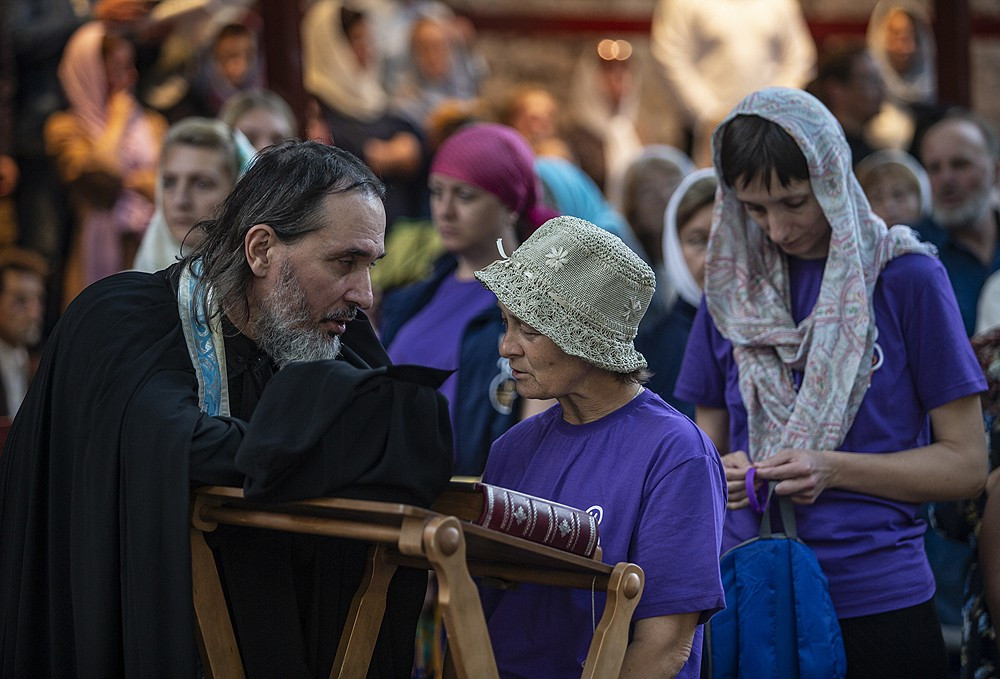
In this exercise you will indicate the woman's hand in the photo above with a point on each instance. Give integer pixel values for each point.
(801, 474)
(736, 465)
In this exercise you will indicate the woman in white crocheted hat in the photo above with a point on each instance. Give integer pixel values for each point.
(572, 296)
(827, 348)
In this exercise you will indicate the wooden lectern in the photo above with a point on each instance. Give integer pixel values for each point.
(403, 535)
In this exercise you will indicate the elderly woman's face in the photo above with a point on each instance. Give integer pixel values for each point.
(467, 218)
(541, 369)
(790, 216)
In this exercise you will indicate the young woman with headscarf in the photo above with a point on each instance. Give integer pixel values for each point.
(340, 68)
(200, 161)
(105, 147)
(827, 348)
(483, 188)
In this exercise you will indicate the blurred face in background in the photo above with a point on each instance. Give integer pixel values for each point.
(430, 49)
(236, 54)
(22, 307)
(263, 127)
(195, 180)
(119, 65)
(535, 116)
(900, 41)
(961, 171)
(616, 80)
(865, 89)
(649, 189)
(359, 35)
(894, 196)
(468, 219)
(693, 235)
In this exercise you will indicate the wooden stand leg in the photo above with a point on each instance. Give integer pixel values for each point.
(214, 630)
(607, 649)
(468, 640)
(357, 642)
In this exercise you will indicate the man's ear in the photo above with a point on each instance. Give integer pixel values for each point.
(259, 247)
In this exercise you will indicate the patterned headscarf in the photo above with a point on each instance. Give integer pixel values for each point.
(747, 290)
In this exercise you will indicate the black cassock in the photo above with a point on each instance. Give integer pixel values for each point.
(95, 571)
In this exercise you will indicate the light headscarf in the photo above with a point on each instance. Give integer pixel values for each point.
(747, 290)
(908, 163)
(83, 76)
(575, 194)
(919, 84)
(159, 248)
(673, 257)
(331, 71)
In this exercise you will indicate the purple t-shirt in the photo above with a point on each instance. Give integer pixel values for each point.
(433, 336)
(655, 483)
(870, 548)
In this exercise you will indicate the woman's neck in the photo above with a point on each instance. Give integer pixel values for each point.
(602, 398)
(477, 259)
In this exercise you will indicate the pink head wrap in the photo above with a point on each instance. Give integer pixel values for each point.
(496, 159)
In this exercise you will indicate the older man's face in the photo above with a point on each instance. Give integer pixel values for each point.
(961, 171)
(22, 308)
(313, 288)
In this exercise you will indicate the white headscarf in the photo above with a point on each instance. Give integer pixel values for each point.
(673, 257)
(159, 249)
(907, 162)
(919, 84)
(747, 290)
(331, 71)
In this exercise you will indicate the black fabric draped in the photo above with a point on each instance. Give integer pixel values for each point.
(95, 573)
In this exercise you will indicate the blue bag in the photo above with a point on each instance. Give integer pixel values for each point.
(779, 620)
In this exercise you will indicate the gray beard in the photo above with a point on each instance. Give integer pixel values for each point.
(284, 330)
(967, 213)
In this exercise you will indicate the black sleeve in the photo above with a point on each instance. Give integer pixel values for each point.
(164, 414)
(328, 428)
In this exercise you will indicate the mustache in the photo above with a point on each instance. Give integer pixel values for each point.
(348, 314)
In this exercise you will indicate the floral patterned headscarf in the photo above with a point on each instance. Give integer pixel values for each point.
(747, 290)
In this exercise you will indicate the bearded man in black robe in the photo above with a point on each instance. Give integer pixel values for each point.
(248, 364)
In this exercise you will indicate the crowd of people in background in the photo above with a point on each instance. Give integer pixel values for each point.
(125, 124)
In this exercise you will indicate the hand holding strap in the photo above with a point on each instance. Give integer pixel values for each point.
(752, 495)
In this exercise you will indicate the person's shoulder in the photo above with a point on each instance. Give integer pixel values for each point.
(123, 293)
(669, 430)
(912, 272)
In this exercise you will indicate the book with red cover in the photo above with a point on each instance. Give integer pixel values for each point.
(521, 515)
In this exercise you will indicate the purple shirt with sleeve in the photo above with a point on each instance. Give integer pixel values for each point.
(655, 483)
(433, 336)
(870, 548)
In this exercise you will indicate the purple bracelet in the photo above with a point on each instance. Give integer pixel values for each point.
(755, 503)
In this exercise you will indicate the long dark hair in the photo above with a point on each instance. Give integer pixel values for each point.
(284, 189)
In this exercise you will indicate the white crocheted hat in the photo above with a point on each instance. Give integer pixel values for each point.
(581, 287)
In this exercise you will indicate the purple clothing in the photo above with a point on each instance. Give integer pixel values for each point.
(433, 336)
(655, 483)
(870, 548)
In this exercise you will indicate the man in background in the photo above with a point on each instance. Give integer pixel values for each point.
(960, 153)
(22, 310)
